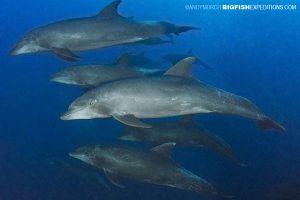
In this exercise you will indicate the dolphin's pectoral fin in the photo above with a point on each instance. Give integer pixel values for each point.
(164, 149)
(131, 120)
(65, 54)
(113, 178)
(101, 181)
(182, 68)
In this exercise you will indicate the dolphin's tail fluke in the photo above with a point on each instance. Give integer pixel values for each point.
(181, 29)
(268, 123)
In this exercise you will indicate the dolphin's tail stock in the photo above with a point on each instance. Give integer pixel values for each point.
(267, 123)
(181, 29)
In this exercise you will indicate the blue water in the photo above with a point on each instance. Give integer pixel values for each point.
(254, 54)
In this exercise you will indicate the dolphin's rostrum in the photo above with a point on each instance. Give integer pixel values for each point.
(106, 29)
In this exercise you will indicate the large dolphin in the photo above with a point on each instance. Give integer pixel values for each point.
(174, 58)
(154, 167)
(184, 132)
(91, 76)
(106, 29)
(174, 94)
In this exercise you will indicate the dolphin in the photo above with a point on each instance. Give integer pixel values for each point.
(91, 76)
(108, 28)
(154, 167)
(174, 58)
(176, 93)
(184, 132)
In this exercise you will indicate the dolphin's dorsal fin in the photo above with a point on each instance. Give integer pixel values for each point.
(111, 10)
(182, 68)
(113, 178)
(164, 149)
(123, 60)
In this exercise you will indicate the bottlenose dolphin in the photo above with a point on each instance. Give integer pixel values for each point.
(184, 132)
(174, 94)
(154, 167)
(106, 29)
(91, 76)
(174, 58)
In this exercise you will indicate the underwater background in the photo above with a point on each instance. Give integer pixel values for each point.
(254, 54)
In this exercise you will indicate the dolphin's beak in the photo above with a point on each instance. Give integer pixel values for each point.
(20, 48)
(69, 115)
(14, 51)
(79, 112)
(59, 79)
(77, 156)
(80, 156)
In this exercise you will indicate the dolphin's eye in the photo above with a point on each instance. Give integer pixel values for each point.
(92, 102)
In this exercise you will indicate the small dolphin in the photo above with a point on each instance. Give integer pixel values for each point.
(91, 76)
(174, 94)
(184, 132)
(154, 167)
(106, 29)
(174, 58)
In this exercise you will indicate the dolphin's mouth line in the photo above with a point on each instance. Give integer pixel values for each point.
(70, 112)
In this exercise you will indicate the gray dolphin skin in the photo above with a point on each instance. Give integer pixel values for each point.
(174, 58)
(174, 94)
(154, 167)
(106, 29)
(91, 76)
(184, 132)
